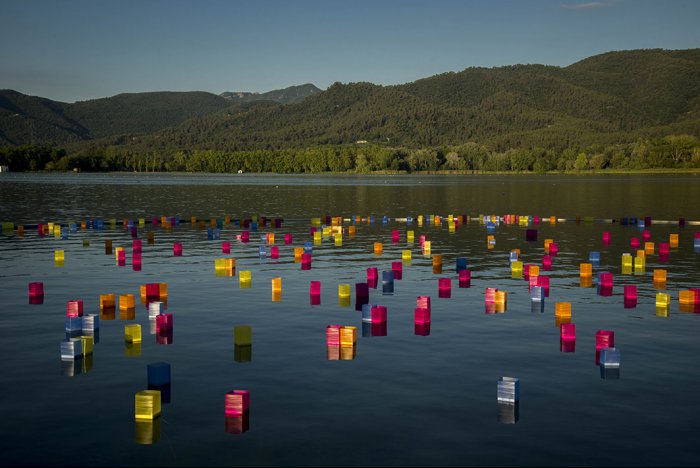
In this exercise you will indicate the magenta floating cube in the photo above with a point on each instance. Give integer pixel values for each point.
(421, 315)
(306, 261)
(604, 339)
(136, 245)
(445, 288)
(543, 281)
(536, 219)
(567, 331)
(465, 278)
(397, 268)
(287, 239)
(606, 238)
(664, 248)
(553, 249)
(395, 236)
(490, 295)
(372, 274)
(164, 322)
(422, 239)
(226, 247)
(547, 262)
(315, 288)
(274, 252)
(378, 314)
(237, 402)
(245, 236)
(646, 235)
(630, 291)
(74, 308)
(605, 279)
(36, 289)
(177, 249)
(635, 243)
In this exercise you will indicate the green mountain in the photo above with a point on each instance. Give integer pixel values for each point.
(617, 97)
(288, 95)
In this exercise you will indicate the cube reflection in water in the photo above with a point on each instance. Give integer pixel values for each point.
(508, 413)
(610, 357)
(238, 424)
(465, 278)
(73, 367)
(242, 353)
(147, 432)
(158, 374)
(508, 390)
(374, 329)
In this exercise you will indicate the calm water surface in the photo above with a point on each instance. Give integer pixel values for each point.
(405, 399)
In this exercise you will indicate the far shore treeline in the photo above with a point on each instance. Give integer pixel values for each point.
(670, 152)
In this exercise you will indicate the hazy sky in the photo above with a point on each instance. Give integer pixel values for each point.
(83, 49)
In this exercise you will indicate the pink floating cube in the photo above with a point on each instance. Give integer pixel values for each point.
(606, 279)
(153, 290)
(274, 252)
(395, 235)
(664, 248)
(421, 316)
(526, 270)
(465, 278)
(444, 288)
(164, 322)
(287, 239)
(423, 302)
(237, 402)
(604, 339)
(36, 289)
(378, 314)
(306, 261)
(136, 245)
(547, 262)
(533, 281)
(74, 308)
(606, 238)
(490, 295)
(315, 288)
(635, 243)
(245, 236)
(630, 291)
(536, 219)
(136, 258)
(226, 247)
(121, 258)
(372, 274)
(421, 240)
(154, 221)
(567, 331)
(553, 249)
(646, 235)
(333, 335)
(397, 268)
(177, 249)
(543, 281)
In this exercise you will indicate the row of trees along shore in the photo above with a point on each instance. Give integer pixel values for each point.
(673, 152)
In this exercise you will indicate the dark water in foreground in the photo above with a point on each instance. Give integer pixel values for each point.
(405, 399)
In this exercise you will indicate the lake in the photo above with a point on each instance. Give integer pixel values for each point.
(405, 398)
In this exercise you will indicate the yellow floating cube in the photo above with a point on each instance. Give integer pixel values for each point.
(420, 220)
(516, 266)
(348, 336)
(406, 255)
(426, 248)
(132, 333)
(277, 284)
(663, 300)
(147, 404)
(410, 236)
(88, 344)
(338, 240)
(243, 335)
(343, 290)
(244, 277)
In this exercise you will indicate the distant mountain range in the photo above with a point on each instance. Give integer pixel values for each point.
(283, 96)
(608, 98)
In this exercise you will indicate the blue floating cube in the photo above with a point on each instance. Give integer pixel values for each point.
(513, 257)
(159, 374)
(594, 258)
(624, 221)
(409, 220)
(537, 294)
(371, 219)
(74, 324)
(91, 322)
(610, 357)
(461, 264)
(508, 390)
(219, 224)
(640, 224)
(71, 349)
(254, 227)
(367, 312)
(388, 282)
(263, 252)
(263, 237)
(385, 220)
(308, 247)
(490, 227)
(73, 227)
(177, 220)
